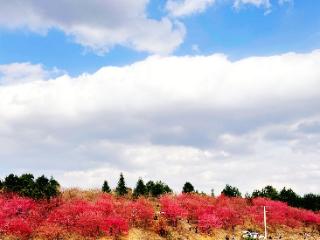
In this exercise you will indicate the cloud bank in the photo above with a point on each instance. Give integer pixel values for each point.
(204, 119)
(101, 25)
(97, 25)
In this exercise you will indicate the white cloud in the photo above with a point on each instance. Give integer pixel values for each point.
(281, 2)
(182, 8)
(17, 73)
(100, 25)
(97, 25)
(258, 3)
(179, 8)
(205, 119)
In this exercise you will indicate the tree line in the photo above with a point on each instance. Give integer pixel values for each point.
(151, 188)
(309, 201)
(28, 186)
(44, 188)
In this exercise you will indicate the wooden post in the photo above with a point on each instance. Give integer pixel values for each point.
(265, 222)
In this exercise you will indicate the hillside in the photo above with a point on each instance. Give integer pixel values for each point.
(92, 214)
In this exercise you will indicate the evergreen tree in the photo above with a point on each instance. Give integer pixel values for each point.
(267, 192)
(149, 186)
(1, 184)
(105, 187)
(159, 188)
(290, 197)
(188, 188)
(167, 189)
(41, 184)
(12, 183)
(27, 185)
(311, 201)
(230, 191)
(52, 188)
(46, 188)
(140, 189)
(121, 187)
(256, 193)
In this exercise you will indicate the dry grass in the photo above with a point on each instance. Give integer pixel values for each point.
(88, 195)
(139, 234)
(183, 233)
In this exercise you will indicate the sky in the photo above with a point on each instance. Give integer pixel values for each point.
(213, 92)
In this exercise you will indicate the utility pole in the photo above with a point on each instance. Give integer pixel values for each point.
(265, 221)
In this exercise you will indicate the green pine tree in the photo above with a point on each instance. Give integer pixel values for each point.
(188, 188)
(290, 197)
(105, 187)
(12, 183)
(159, 188)
(230, 191)
(140, 189)
(121, 187)
(52, 188)
(149, 186)
(27, 185)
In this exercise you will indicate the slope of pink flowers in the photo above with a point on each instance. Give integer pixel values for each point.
(111, 216)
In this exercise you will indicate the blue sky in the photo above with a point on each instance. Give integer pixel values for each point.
(206, 91)
(221, 28)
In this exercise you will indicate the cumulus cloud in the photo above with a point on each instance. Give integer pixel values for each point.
(96, 24)
(204, 119)
(179, 8)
